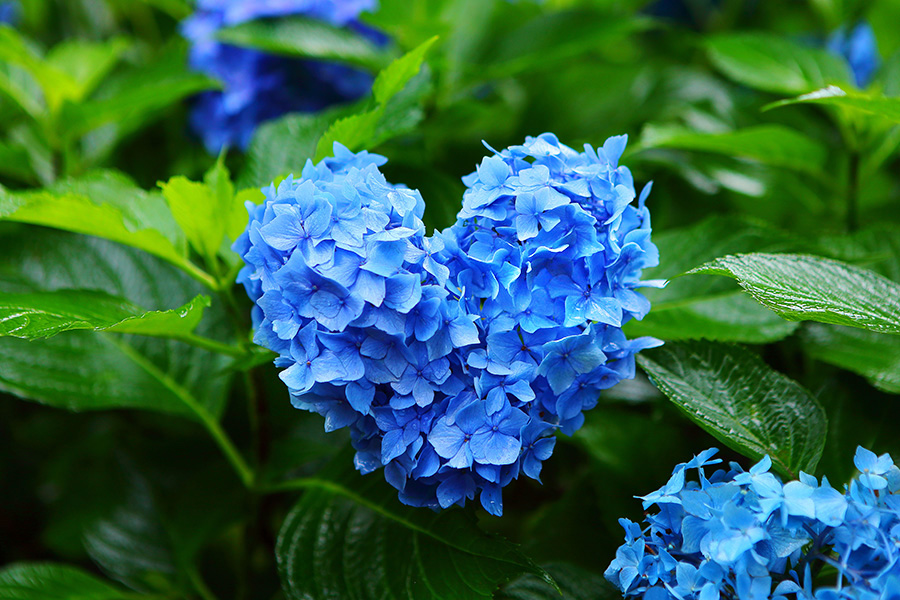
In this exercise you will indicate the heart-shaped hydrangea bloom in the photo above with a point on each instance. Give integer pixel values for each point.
(453, 358)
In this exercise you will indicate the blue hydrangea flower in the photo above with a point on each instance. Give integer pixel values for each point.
(10, 12)
(859, 48)
(453, 358)
(258, 86)
(746, 535)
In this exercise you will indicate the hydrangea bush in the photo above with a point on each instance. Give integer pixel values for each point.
(746, 534)
(452, 358)
(258, 86)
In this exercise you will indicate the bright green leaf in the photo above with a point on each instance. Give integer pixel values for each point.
(878, 105)
(87, 63)
(56, 84)
(775, 63)
(105, 204)
(203, 210)
(774, 145)
(800, 287)
(44, 314)
(51, 581)
(307, 38)
(354, 132)
(375, 546)
(741, 401)
(875, 356)
(395, 76)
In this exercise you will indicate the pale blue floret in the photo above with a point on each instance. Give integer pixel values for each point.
(739, 535)
(453, 358)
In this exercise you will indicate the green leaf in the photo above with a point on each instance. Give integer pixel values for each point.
(774, 145)
(800, 287)
(44, 314)
(56, 85)
(730, 318)
(50, 581)
(370, 127)
(774, 63)
(87, 63)
(710, 307)
(134, 96)
(741, 401)
(354, 132)
(871, 104)
(574, 582)
(396, 75)
(307, 38)
(84, 370)
(375, 546)
(554, 37)
(105, 204)
(203, 210)
(875, 356)
(281, 147)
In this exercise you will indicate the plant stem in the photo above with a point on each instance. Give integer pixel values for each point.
(212, 424)
(211, 345)
(200, 585)
(853, 191)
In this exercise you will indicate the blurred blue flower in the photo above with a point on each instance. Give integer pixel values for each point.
(745, 535)
(10, 12)
(859, 48)
(446, 356)
(258, 86)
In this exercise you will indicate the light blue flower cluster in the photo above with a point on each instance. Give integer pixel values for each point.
(859, 48)
(748, 536)
(258, 86)
(452, 358)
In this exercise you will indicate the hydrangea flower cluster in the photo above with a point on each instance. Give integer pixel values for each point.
(746, 535)
(452, 358)
(258, 86)
(859, 48)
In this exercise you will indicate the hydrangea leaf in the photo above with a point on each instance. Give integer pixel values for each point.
(205, 209)
(85, 370)
(375, 545)
(56, 84)
(87, 62)
(730, 318)
(44, 314)
(396, 75)
(373, 126)
(873, 355)
(740, 400)
(307, 38)
(129, 98)
(710, 307)
(557, 36)
(280, 147)
(871, 104)
(800, 287)
(105, 204)
(576, 584)
(39, 581)
(774, 145)
(150, 538)
(775, 64)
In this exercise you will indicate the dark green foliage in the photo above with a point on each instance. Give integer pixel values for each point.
(156, 454)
